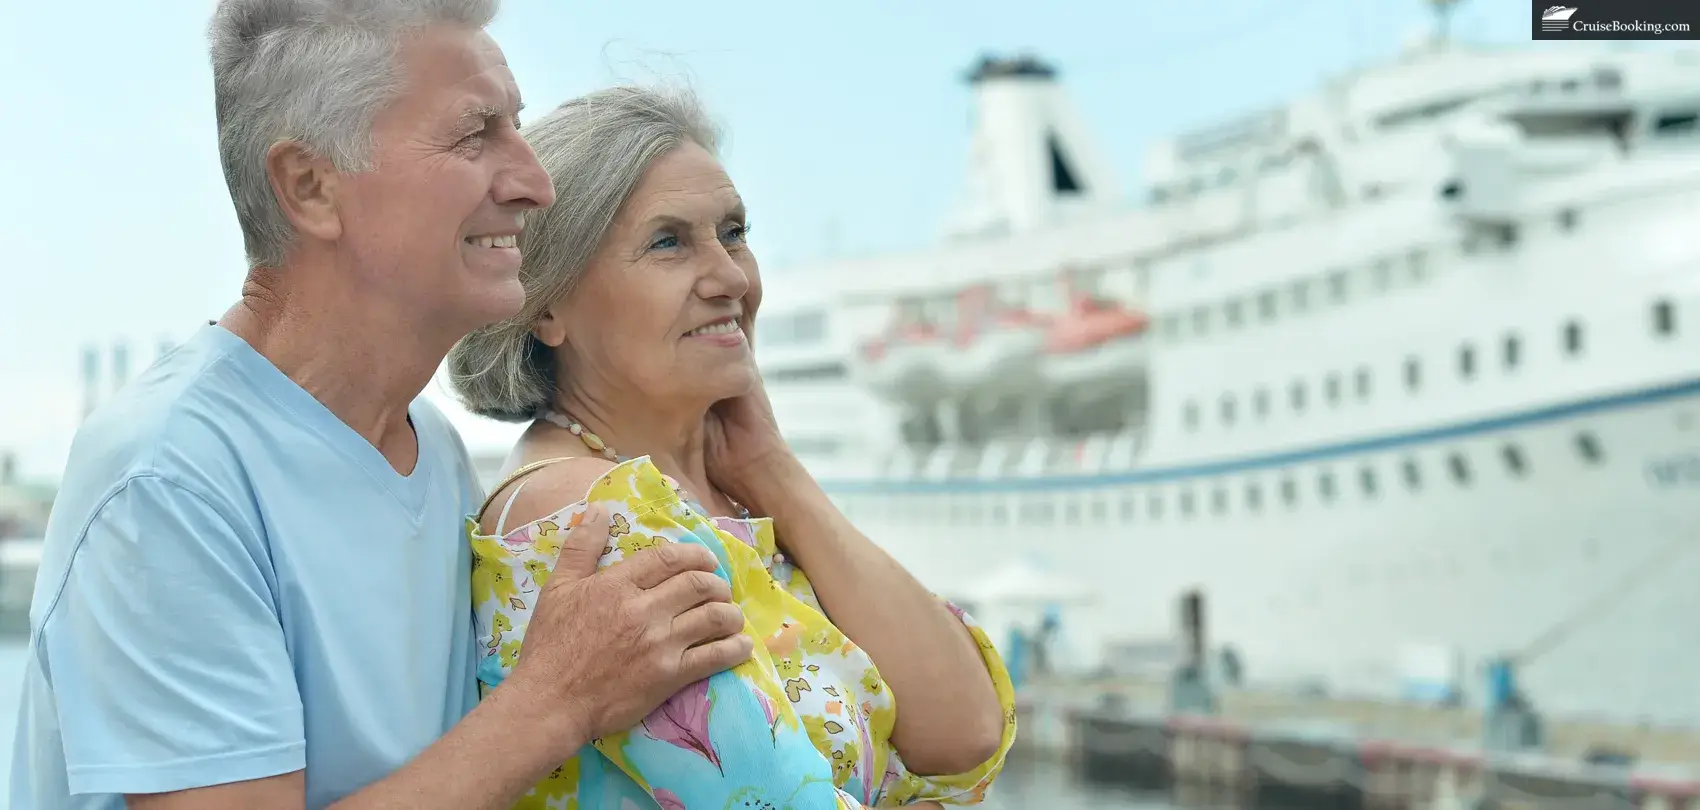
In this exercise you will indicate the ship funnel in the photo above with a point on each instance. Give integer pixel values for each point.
(1030, 162)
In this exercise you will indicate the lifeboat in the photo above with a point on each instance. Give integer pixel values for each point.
(995, 348)
(903, 365)
(1099, 341)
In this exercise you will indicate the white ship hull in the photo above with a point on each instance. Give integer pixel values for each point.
(1336, 591)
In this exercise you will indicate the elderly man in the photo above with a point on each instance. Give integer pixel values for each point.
(255, 589)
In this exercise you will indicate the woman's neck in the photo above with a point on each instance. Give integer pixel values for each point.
(673, 440)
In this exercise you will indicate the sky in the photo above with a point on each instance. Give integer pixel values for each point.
(847, 133)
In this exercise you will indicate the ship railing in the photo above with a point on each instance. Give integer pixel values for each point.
(1016, 458)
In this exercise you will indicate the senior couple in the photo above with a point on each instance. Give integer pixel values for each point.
(271, 580)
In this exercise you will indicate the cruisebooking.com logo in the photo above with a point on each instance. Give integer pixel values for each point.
(1616, 19)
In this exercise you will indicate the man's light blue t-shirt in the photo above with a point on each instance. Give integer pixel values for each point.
(237, 585)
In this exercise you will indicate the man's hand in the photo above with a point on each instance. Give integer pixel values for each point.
(605, 648)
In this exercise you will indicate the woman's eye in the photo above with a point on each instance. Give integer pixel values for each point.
(664, 243)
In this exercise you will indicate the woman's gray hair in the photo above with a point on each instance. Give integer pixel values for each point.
(596, 149)
(311, 71)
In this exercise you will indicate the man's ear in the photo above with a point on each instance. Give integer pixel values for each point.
(306, 186)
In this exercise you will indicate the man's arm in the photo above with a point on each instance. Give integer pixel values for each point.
(164, 648)
(176, 687)
(458, 771)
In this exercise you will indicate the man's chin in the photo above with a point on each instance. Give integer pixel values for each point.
(495, 303)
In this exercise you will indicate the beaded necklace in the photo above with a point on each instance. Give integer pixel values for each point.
(596, 445)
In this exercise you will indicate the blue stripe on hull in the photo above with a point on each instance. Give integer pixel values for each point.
(1452, 432)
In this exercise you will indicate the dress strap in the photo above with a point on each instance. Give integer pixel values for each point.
(524, 470)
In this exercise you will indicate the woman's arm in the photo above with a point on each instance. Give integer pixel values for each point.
(949, 719)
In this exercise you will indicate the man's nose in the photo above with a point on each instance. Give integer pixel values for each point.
(523, 181)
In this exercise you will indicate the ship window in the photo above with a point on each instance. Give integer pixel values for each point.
(1000, 514)
(1417, 262)
(1413, 373)
(1676, 123)
(1588, 447)
(1366, 478)
(1127, 508)
(1467, 361)
(1289, 490)
(1154, 506)
(1460, 469)
(1191, 416)
(1047, 512)
(1567, 219)
(1260, 402)
(1297, 394)
(1513, 351)
(1219, 500)
(1664, 318)
(1227, 409)
(1383, 274)
(1361, 382)
(1325, 485)
(1514, 460)
(1331, 388)
(1253, 496)
(1301, 295)
(1071, 512)
(1337, 285)
(1098, 509)
(1201, 321)
(1186, 503)
(1573, 338)
(1235, 312)
(1266, 305)
(1413, 474)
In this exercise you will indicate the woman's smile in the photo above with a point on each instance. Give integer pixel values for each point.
(720, 332)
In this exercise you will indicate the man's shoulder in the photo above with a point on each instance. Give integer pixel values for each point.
(178, 420)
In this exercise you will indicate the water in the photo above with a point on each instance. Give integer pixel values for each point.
(1023, 786)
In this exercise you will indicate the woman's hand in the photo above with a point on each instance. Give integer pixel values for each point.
(740, 436)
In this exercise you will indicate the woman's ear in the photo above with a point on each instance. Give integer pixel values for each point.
(551, 329)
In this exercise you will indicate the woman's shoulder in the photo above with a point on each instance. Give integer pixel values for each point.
(539, 490)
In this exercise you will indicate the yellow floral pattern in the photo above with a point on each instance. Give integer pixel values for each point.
(806, 673)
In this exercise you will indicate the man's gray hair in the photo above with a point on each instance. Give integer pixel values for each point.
(596, 149)
(312, 71)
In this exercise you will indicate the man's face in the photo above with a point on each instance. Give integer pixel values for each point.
(433, 224)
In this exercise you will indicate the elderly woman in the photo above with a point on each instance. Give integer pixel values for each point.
(632, 363)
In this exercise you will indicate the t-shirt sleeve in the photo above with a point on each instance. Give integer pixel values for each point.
(168, 660)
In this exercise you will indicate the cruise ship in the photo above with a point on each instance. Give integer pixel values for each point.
(1411, 362)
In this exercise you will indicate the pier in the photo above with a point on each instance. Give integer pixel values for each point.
(1271, 749)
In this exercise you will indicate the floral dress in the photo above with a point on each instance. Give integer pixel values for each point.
(805, 724)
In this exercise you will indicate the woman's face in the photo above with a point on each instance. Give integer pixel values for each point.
(667, 301)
